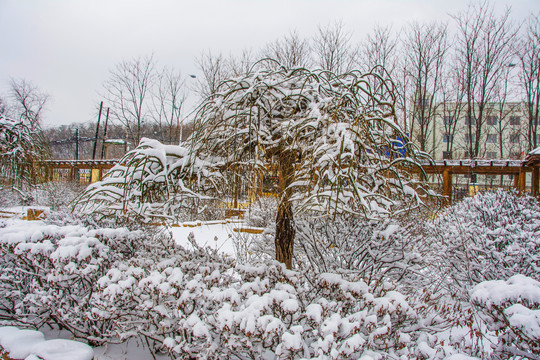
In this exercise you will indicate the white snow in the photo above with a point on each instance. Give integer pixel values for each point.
(60, 349)
(19, 343)
(31, 345)
(218, 236)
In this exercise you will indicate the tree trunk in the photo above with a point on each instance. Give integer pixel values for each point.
(285, 232)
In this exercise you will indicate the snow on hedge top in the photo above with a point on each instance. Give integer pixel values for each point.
(517, 300)
(518, 288)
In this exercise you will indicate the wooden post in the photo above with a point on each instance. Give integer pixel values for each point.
(522, 183)
(447, 185)
(534, 181)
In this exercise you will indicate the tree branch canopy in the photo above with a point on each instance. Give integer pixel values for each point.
(339, 131)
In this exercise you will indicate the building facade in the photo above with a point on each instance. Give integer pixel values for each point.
(451, 134)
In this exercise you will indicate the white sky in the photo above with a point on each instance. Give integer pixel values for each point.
(67, 47)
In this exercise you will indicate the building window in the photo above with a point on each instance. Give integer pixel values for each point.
(470, 121)
(422, 103)
(514, 138)
(515, 120)
(447, 138)
(469, 138)
(492, 138)
(447, 155)
(492, 120)
(515, 155)
(491, 155)
(448, 120)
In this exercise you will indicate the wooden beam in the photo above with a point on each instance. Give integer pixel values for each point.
(481, 170)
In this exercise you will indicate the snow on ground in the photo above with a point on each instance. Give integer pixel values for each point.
(32, 345)
(218, 235)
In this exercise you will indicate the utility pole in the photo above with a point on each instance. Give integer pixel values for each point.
(76, 144)
(97, 131)
(104, 134)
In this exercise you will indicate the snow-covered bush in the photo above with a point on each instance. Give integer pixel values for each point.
(56, 195)
(493, 235)
(152, 183)
(377, 251)
(216, 309)
(108, 285)
(511, 309)
(49, 272)
(262, 212)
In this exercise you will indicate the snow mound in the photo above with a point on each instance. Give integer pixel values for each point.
(18, 343)
(60, 349)
(31, 345)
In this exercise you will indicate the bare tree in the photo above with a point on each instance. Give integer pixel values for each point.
(451, 107)
(379, 48)
(290, 51)
(3, 106)
(503, 112)
(214, 69)
(529, 58)
(425, 47)
(333, 50)
(239, 66)
(128, 90)
(484, 50)
(27, 102)
(168, 101)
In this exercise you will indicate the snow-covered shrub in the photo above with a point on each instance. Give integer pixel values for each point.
(56, 195)
(152, 183)
(262, 212)
(49, 272)
(216, 309)
(511, 309)
(109, 285)
(373, 249)
(9, 198)
(493, 235)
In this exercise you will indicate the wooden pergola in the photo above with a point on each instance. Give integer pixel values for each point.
(74, 166)
(516, 168)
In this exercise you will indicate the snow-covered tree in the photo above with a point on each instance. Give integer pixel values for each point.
(20, 147)
(333, 139)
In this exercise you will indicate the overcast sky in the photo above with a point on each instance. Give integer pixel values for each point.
(67, 47)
